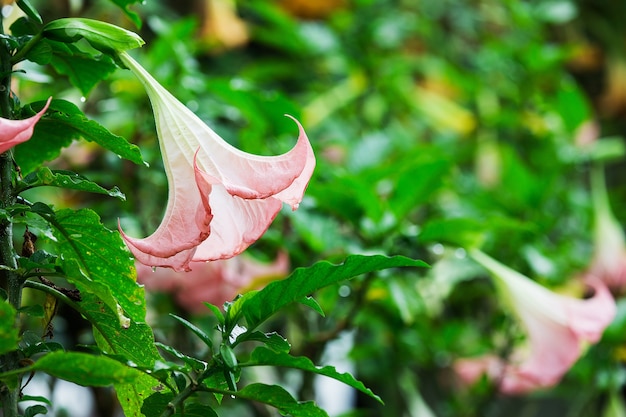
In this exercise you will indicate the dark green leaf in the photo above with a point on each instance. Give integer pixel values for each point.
(272, 340)
(158, 402)
(262, 356)
(29, 10)
(304, 281)
(101, 35)
(83, 69)
(9, 334)
(44, 176)
(279, 398)
(228, 356)
(193, 363)
(197, 331)
(35, 398)
(24, 26)
(40, 54)
(63, 123)
(34, 410)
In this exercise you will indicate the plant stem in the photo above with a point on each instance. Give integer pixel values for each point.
(10, 282)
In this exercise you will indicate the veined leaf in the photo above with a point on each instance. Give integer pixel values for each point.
(84, 369)
(63, 123)
(83, 69)
(44, 176)
(304, 281)
(262, 356)
(279, 398)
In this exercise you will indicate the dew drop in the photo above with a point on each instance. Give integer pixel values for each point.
(83, 99)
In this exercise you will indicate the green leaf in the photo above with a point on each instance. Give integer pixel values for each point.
(262, 356)
(197, 331)
(216, 312)
(123, 4)
(100, 255)
(84, 369)
(29, 10)
(34, 410)
(272, 340)
(279, 398)
(101, 35)
(463, 232)
(158, 402)
(40, 54)
(304, 281)
(83, 69)
(193, 363)
(44, 176)
(9, 335)
(63, 123)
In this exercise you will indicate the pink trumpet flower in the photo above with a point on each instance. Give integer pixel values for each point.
(558, 330)
(14, 132)
(221, 199)
(214, 282)
(609, 257)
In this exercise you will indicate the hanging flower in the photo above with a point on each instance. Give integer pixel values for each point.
(14, 132)
(214, 282)
(558, 329)
(609, 257)
(221, 199)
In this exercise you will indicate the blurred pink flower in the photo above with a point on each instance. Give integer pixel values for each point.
(558, 330)
(221, 199)
(14, 132)
(215, 282)
(609, 257)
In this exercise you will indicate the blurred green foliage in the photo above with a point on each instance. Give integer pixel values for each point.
(437, 124)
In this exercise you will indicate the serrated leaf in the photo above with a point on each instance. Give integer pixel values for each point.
(304, 281)
(63, 123)
(44, 176)
(9, 334)
(279, 398)
(262, 356)
(103, 36)
(85, 369)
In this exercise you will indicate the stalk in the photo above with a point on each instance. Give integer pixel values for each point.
(10, 282)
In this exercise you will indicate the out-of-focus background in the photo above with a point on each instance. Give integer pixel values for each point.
(437, 125)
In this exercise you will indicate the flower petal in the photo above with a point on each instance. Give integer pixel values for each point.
(237, 194)
(243, 174)
(558, 328)
(186, 224)
(14, 132)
